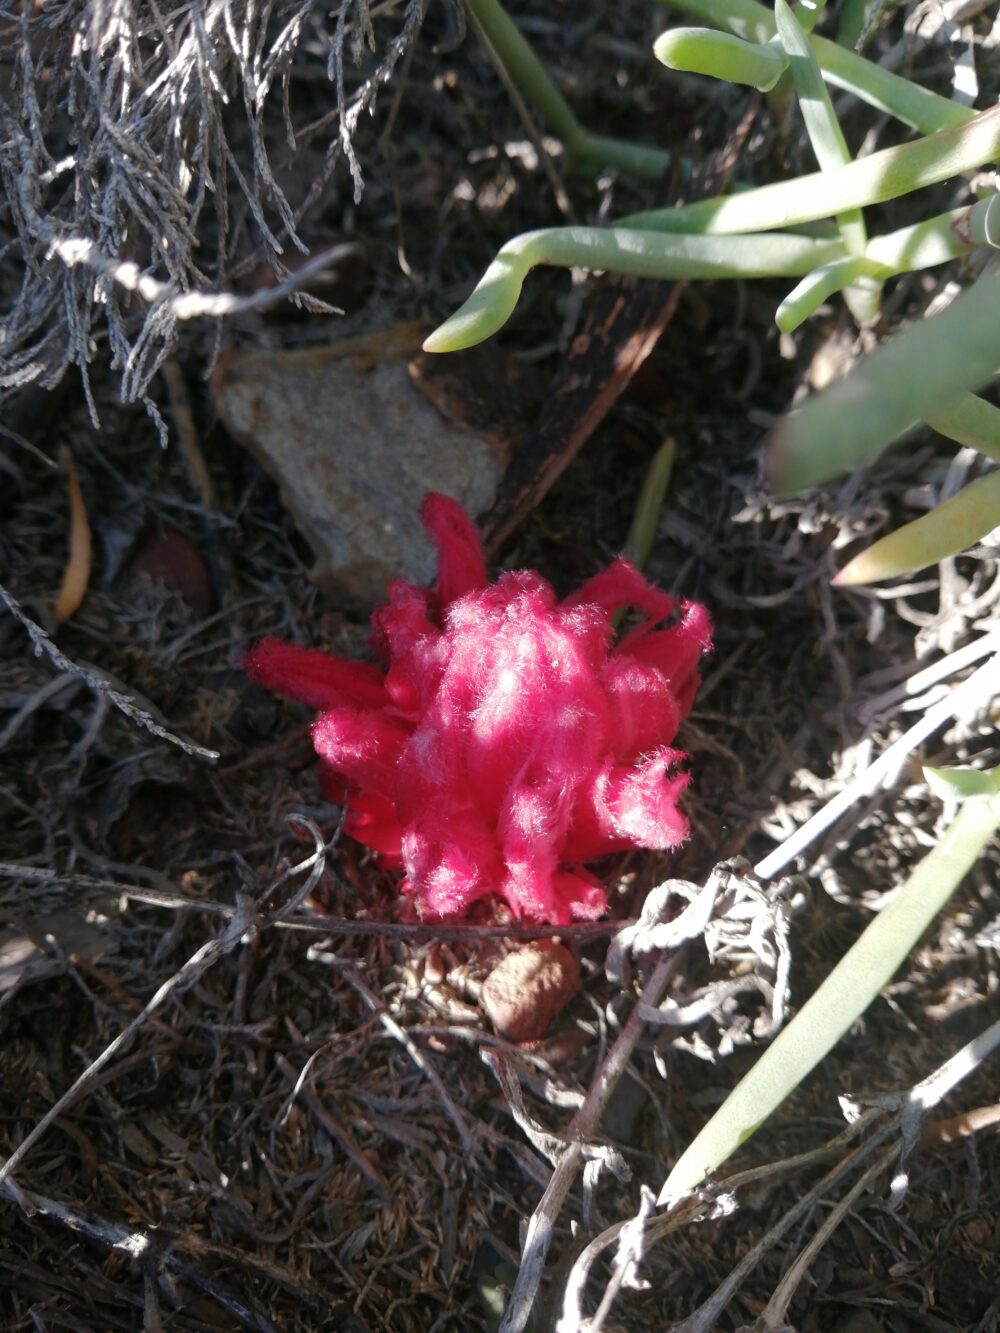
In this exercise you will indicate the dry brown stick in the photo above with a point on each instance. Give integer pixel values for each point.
(706, 1318)
(183, 414)
(651, 933)
(583, 1125)
(197, 964)
(172, 1252)
(316, 924)
(444, 930)
(965, 1125)
(246, 916)
(658, 1228)
(563, 201)
(53, 686)
(777, 1306)
(907, 1113)
(267, 753)
(623, 321)
(929, 1092)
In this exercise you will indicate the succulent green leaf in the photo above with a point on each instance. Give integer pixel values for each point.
(818, 286)
(926, 111)
(617, 250)
(884, 175)
(586, 152)
(808, 14)
(947, 530)
(911, 378)
(822, 125)
(642, 531)
(959, 784)
(983, 222)
(933, 241)
(971, 421)
(720, 55)
(747, 19)
(851, 22)
(828, 144)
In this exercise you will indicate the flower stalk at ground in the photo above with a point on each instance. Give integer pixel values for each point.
(511, 738)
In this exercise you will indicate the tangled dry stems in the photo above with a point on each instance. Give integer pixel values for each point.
(141, 156)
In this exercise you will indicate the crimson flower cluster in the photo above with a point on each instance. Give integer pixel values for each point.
(510, 738)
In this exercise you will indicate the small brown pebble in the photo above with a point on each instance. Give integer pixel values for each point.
(980, 1232)
(171, 559)
(524, 993)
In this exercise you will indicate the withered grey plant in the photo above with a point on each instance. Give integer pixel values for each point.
(140, 145)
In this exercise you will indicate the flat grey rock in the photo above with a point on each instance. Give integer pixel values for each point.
(355, 446)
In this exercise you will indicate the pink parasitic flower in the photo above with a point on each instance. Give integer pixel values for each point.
(510, 739)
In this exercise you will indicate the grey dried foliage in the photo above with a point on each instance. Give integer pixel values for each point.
(141, 146)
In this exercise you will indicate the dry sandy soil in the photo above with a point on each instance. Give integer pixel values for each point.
(309, 1124)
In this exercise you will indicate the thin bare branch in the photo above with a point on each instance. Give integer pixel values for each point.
(102, 687)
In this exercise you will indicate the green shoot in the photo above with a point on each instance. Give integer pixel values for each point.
(818, 286)
(809, 13)
(646, 517)
(642, 532)
(852, 21)
(958, 784)
(983, 222)
(925, 244)
(884, 175)
(670, 255)
(587, 152)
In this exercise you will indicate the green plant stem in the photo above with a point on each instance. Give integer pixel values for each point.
(809, 13)
(640, 254)
(871, 180)
(911, 378)
(851, 24)
(600, 151)
(843, 996)
(863, 293)
(528, 72)
(587, 152)
(924, 110)
(925, 244)
(983, 223)
(935, 240)
(822, 126)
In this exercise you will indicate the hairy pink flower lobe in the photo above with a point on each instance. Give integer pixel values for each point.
(509, 739)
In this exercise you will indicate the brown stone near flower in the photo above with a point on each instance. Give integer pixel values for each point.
(530, 988)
